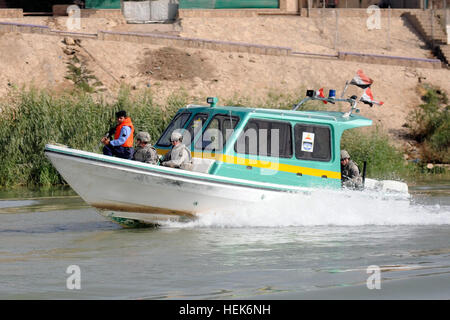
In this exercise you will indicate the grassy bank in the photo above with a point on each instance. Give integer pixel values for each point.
(30, 119)
(384, 161)
(429, 124)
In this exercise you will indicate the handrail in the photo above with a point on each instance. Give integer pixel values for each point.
(353, 100)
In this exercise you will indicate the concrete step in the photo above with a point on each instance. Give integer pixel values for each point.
(426, 28)
(443, 53)
(435, 28)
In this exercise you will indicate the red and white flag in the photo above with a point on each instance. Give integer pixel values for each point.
(361, 80)
(367, 98)
(319, 93)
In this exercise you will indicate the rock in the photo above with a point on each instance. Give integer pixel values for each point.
(68, 51)
(69, 41)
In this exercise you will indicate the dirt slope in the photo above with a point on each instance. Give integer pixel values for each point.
(27, 59)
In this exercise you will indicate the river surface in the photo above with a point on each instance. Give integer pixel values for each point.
(289, 250)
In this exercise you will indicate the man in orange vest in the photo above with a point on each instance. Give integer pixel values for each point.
(122, 145)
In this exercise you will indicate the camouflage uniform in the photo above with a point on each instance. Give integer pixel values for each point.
(350, 175)
(146, 154)
(178, 157)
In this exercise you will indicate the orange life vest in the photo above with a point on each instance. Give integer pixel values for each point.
(127, 122)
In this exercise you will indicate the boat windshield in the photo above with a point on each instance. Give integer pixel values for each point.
(217, 133)
(178, 122)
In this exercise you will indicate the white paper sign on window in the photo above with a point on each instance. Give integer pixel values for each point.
(308, 142)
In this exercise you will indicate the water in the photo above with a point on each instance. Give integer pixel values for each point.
(269, 252)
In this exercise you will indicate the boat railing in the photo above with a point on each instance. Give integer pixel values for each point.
(353, 101)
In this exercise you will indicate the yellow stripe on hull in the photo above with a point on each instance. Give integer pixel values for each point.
(263, 164)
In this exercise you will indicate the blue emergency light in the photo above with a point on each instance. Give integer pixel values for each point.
(332, 94)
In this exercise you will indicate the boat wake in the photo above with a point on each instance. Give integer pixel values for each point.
(322, 208)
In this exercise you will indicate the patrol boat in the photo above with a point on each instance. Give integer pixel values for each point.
(240, 156)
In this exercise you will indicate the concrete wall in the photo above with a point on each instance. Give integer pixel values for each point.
(101, 13)
(158, 39)
(448, 33)
(23, 28)
(359, 12)
(211, 13)
(11, 13)
(293, 5)
(390, 60)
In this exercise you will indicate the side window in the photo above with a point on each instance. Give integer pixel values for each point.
(266, 138)
(312, 142)
(217, 133)
(178, 122)
(196, 125)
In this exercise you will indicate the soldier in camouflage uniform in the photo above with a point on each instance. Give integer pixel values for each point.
(350, 172)
(179, 156)
(145, 151)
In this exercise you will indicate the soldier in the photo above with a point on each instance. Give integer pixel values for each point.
(350, 172)
(179, 156)
(145, 151)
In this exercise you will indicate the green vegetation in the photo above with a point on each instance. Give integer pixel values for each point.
(384, 161)
(429, 125)
(30, 119)
(81, 76)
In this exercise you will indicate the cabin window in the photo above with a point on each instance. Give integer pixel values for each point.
(178, 122)
(196, 124)
(217, 132)
(312, 142)
(265, 138)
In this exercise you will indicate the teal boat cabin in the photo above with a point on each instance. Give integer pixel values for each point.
(285, 147)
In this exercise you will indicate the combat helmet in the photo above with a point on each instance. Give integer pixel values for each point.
(143, 136)
(344, 155)
(176, 136)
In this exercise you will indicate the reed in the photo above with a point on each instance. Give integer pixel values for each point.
(384, 161)
(429, 124)
(33, 118)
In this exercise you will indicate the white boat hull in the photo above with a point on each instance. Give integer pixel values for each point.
(149, 194)
(134, 193)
